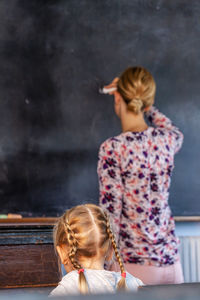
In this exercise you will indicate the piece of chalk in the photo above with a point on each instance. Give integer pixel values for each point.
(3, 216)
(107, 90)
(14, 216)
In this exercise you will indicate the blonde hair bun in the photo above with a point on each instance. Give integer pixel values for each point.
(135, 105)
(137, 87)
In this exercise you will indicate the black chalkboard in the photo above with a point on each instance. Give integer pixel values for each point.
(53, 57)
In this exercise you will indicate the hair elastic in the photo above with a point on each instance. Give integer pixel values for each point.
(80, 270)
(123, 274)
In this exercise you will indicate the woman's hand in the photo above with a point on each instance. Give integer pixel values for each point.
(112, 85)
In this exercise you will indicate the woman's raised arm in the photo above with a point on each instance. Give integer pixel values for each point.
(160, 120)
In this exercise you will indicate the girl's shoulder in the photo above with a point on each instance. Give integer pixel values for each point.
(112, 278)
(67, 285)
(133, 282)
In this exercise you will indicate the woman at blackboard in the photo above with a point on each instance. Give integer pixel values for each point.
(134, 170)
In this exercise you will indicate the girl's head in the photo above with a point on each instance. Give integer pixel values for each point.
(82, 236)
(137, 88)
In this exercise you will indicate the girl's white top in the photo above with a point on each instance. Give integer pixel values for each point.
(99, 281)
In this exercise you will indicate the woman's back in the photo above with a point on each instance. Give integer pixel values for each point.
(135, 173)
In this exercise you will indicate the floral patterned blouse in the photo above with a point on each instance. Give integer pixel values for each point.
(134, 172)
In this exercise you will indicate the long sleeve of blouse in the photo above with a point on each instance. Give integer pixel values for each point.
(158, 119)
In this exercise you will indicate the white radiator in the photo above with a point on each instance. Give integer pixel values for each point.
(190, 257)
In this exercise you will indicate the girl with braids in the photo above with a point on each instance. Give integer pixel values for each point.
(84, 241)
(134, 171)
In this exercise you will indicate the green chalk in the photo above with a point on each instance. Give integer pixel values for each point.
(3, 216)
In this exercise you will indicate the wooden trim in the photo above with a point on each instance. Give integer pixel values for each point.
(28, 221)
(30, 286)
(50, 221)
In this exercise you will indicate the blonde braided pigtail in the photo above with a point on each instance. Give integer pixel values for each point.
(83, 285)
(122, 282)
